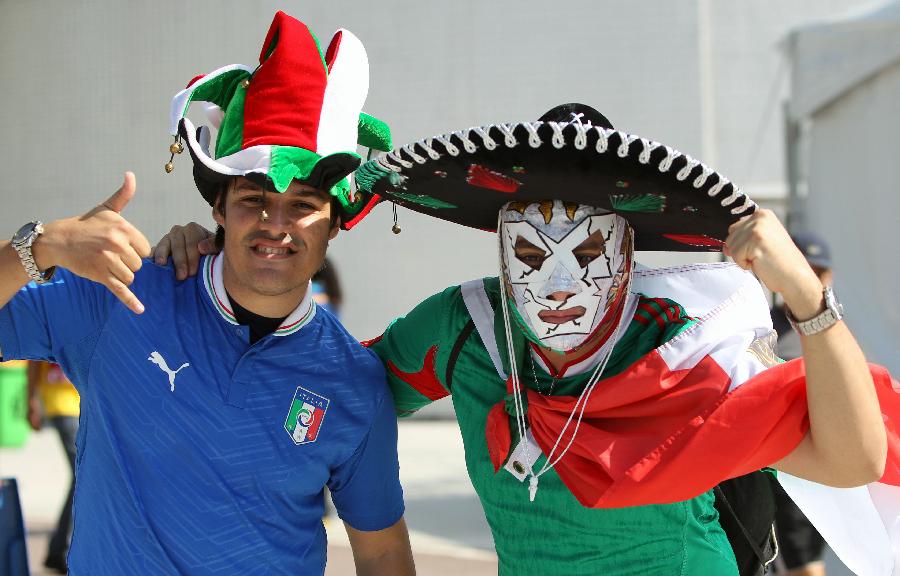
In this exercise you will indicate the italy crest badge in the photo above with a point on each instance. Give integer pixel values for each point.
(305, 416)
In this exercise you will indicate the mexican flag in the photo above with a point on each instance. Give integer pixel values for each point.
(715, 403)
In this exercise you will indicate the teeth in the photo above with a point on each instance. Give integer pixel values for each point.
(270, 250)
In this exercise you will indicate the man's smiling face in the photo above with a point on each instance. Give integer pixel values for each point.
(273, 256)
(561, 262)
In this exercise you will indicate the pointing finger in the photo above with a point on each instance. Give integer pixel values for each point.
(127, 297)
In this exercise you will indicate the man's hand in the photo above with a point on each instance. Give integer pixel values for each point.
(760, 243)
(99, 245)
(185, 245)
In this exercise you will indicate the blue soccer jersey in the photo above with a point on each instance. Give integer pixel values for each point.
(199, 453)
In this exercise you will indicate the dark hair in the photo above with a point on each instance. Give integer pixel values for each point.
(219, 206)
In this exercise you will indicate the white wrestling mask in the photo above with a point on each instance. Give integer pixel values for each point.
(564, 265)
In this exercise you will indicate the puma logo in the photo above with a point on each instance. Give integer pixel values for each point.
(157, 359)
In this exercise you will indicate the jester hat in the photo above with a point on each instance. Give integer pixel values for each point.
(671, 200)
(296, 116)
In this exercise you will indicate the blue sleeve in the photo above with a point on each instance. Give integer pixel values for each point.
(366, 488)
(42, 319)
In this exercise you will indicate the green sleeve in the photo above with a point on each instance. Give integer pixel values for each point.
(415, 349)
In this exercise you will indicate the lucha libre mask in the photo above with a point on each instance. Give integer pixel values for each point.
(564, 265)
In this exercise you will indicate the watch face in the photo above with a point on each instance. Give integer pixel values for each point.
(24, 232)
(831, 303)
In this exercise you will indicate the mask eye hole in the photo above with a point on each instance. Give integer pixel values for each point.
(529, 254)
(590, 249)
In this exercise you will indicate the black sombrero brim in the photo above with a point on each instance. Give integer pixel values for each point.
(673, 202)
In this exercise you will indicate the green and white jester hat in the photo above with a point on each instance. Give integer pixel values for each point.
(296, 116)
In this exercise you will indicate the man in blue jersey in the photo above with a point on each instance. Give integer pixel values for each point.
(215, 410)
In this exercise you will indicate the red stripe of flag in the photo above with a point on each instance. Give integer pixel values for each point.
(657, 435)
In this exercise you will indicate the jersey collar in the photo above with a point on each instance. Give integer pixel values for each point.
(215, 288)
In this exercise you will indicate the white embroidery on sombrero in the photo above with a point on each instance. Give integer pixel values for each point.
(395, 161)
(508, 138)
(671, 155)
(558, 140)
(467, 144)
(445, 140)
(688, 168)
(581, 135)
(432, 153)
(488, 142)
(700, 180)
(603, 135)
(649, 147)
(626, 143)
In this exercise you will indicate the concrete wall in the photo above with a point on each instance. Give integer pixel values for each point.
(854, 180)
(87, 87)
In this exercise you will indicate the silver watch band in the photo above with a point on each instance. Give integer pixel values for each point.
(22, 247)
(832, 314)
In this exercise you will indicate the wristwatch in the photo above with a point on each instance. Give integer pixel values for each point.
(22, 242)
(832, 314)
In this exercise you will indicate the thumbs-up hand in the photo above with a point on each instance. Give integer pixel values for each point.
(100, 245)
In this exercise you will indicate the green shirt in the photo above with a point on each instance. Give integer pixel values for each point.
(555, 534)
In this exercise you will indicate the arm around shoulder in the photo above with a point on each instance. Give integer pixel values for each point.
(416, 347)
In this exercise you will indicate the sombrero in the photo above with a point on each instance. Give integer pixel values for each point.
(573, 154)
(296, 116)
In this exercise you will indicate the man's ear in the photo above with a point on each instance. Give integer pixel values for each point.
(218, 208)
(335, 228)
(335, 220)
(218, 216)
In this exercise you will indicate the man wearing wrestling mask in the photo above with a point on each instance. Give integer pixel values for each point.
(600, 403)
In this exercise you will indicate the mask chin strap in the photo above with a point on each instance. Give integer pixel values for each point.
(518, 403)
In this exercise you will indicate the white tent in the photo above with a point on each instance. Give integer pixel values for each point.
(846, 161)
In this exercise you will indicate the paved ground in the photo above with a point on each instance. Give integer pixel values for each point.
(447, 528)
(448, 532)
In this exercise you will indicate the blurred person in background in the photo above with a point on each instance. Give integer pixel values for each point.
(53, 398)
(800, 544)
(617, 480)
(326, 289)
